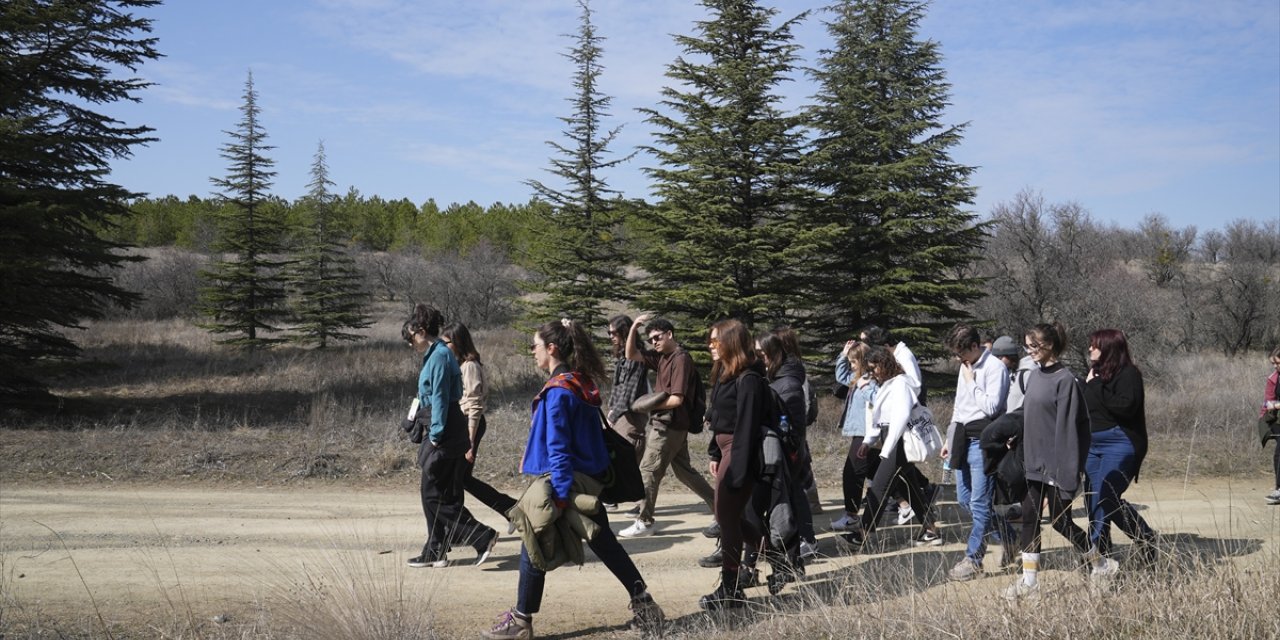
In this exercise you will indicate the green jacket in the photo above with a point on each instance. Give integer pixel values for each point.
(554, 536)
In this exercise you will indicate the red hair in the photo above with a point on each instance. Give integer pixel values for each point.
(1113, 348)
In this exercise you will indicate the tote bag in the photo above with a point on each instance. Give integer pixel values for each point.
(622, 482)
(921, 441)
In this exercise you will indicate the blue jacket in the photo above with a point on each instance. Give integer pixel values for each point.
(566, 434)
(439, 387)
(854, 421)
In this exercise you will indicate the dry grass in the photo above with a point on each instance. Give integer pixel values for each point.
(159, 402)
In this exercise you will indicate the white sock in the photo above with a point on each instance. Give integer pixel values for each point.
(1030, 567)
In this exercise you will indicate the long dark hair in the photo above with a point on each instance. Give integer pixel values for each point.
(621, 325)
(884, 366)
(790, 341)
(733, 343)
(460, 340)
(575, 347)
(1113, 347)
(774, 349)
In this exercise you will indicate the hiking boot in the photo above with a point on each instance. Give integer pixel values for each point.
(484, 546)
(713, 561)
(726, 596)
(510, 626)
(1021, 591)
(637, 530)
(748, 577)
(712, 530)
(647, 615)
(966, 569)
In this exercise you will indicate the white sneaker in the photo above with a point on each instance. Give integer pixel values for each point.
(637, 530)
(808, 549)
(845, 523)
(1109, 568)
(1274, 496)
(906, 515)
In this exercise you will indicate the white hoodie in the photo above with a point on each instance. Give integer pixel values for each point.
(890, 413)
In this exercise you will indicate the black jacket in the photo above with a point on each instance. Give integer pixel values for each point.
(738, 407)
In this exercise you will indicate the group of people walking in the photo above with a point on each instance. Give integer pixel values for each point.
(1025, 435)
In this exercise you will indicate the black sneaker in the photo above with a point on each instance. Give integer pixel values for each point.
(927, 538)
(713, 561)
(854, 538)
(428, 560)
(484, 546)
(712, 531)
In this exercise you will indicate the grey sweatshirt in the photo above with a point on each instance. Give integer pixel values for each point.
(1056, 428)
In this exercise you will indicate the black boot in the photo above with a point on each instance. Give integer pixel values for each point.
(726, 596)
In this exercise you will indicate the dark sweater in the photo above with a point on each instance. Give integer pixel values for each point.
(1055, 433)
(1120, 402)
(737, 407)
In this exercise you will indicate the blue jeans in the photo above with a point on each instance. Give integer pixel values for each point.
(974, 490)
(1110, 467)
(605, 546)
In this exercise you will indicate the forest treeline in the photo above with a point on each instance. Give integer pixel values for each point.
(1175, 289)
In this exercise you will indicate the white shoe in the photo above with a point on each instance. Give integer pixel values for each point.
(637, 530)
(808, 549)
(906, 515)
(845, 523)
(1109, 568)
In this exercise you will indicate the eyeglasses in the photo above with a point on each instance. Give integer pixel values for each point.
(713, 342)
(533, 346)
(655, 338)
(1032, 346)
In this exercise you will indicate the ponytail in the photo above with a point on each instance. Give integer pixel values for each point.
(575, 347)
(1051, 336)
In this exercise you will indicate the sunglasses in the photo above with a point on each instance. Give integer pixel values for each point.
(655, 339)
(713, 342)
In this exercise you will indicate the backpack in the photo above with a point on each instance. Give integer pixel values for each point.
(810, 404)
(697, 404)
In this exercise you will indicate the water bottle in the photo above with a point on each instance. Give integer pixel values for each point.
(784, 426)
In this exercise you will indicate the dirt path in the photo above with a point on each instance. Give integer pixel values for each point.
(149, 555)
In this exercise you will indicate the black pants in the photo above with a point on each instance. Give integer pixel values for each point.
(894, 474)
(481, 490)
(855, 474)
(1059, 518)
(448, 521)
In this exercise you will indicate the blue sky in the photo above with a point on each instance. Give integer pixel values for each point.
(1128, 107)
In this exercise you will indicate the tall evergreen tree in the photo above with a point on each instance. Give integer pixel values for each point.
(328, 295)
(730, 232)
(581, 256)
(246, 290)
(882, 159)
(59, 61)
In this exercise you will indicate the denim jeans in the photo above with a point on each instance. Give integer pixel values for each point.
(974, 490)
(606, 547)
(1110, 467)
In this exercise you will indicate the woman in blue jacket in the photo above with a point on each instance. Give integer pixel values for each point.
(566, 436)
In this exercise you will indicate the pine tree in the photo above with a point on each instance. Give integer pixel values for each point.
(59, 61)
(328, 293)
(881, 157)
(246, 291)
(730, 233)
(581, 259)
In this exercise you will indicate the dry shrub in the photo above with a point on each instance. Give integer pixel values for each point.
(349, 595)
